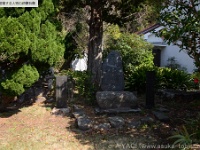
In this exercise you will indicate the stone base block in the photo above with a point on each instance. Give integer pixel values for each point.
(100, 111)
(116, 99)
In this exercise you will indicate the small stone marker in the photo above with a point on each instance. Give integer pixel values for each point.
(112, 73)
(150, 92)
(61, 91)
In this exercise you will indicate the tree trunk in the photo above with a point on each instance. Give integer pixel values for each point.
(95, 42)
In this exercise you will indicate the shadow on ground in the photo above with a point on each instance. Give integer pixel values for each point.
(34, 127)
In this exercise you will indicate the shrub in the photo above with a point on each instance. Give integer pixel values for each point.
(136, 78)
(136, 56)
(82, 85)
(166, 78)
(20, 80)
(195, 78)
(133, 48)
(28, 36)
(183, 138)
(193, 126)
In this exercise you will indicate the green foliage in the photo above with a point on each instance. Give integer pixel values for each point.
(136, 79)
(46, 43)
(48, 48)
(181, 21)
(193, 125)
(147, 14)
(46, 9)
(70, 45)
(28, 36)
(130, 14)
(21, 79)
(112, 32)
(14, 39)
(74, 44)
(133, 48)
(183, 138)
(196, 75)
(195, 80)
(12, 88)
(13, 12)
(109, 11)
(79, 77)
(136, 56)
(82, 84)
(168, 78)
(117, 12)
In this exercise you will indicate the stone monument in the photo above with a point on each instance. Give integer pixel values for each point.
(61, 91)
(113, 98)
(112, 73)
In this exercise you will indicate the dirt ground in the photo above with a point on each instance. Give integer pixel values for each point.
(34, 128)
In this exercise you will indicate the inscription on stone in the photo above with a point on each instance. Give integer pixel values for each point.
(112, 73)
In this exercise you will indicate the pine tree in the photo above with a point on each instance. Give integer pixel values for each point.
(30, 42)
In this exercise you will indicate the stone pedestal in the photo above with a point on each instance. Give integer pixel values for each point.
(116, 102)
(116, 99)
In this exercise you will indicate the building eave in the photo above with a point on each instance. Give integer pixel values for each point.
(148, 29)
(159, 44)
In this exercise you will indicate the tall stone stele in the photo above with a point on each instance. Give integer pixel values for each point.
(113, 98)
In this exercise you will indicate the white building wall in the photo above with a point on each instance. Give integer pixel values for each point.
(79, 64)
(181, 57)
(168, 51)
(152, 38)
